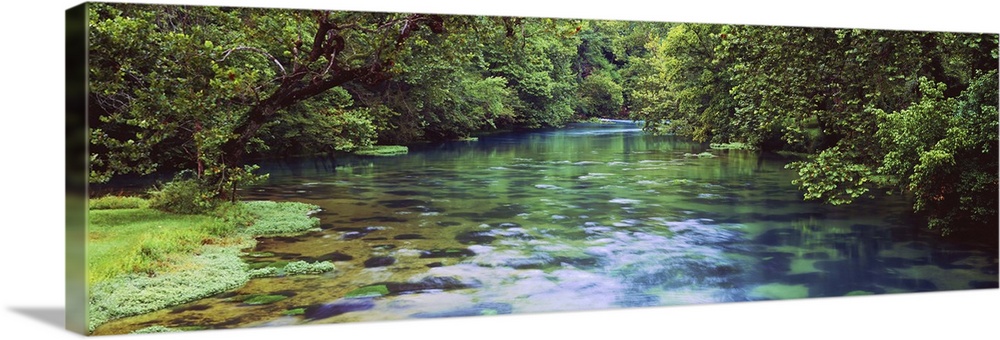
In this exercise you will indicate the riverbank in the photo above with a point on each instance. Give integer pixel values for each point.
(140, 260)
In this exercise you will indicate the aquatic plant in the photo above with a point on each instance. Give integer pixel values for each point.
(263, 272)
(383, 150)
(368, 291)
(215, 270)
(303, 267)
(731, 146)
(275, 269)
(263, 299)
(705, 154)
(155, 329)
(280, 218)
(294, 311)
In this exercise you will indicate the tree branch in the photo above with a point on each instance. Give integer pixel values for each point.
(242, 48)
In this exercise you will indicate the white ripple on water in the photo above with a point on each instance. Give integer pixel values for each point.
(624, 201)
(534, 290)
(595, 175)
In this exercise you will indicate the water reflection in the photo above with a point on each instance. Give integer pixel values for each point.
(589, 217)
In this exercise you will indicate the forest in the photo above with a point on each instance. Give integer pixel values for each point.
(208, 91)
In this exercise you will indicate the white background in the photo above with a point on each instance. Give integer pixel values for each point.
(31, 161)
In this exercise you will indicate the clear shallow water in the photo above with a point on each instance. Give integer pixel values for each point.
(587, 217)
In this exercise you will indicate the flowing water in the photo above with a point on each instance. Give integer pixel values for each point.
(585, 217)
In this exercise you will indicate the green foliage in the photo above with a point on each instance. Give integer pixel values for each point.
(232, 178)
(872, 110)
(944, 152)
(117, 202)
(684, 84)
(834, 176)
(157, 89)
(182, 196)
(600, 96)
(200, 88)
(325, 123)
(536, 59)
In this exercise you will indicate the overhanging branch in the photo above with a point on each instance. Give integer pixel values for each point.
(250, 48)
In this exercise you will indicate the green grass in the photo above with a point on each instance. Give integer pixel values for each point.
(140, 260)
(124, 241)
(215, 270)
(383, 150)
(117, 202)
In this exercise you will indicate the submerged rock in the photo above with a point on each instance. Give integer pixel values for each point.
(780, 237)
(259, 299)
(352, 235)
(427, 284)
(475, 237)
(333, 257)
(384, 219)
(508, 225)
(451, 252)
(430, 283)
(379, 261)
(337, 308)
(403, 203)
(489, 308)
(639, 300)
(983, 284)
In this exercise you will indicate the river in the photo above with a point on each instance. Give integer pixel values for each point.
(591, 216)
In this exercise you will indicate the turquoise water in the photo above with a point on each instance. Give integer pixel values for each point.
(586, 217)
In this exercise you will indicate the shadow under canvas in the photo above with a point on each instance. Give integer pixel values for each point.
(53, 316)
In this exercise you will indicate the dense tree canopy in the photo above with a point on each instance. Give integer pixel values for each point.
(872, 112)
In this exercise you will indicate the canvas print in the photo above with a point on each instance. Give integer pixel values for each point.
(252, 167)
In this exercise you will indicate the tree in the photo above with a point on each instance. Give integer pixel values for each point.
(535, 56)
(944, 151)
(194, 86)
(686, 87)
